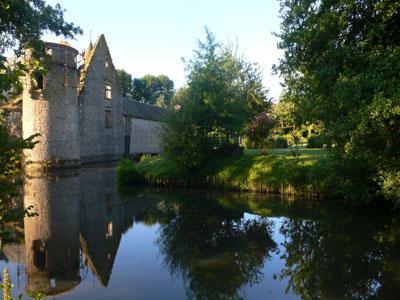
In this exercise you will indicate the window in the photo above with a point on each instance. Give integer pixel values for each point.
(49, 52)
(107, 91)
(109, 232)
(108, 120)
(39, 254)
(106, 64)
(37, 85)
(38, 81)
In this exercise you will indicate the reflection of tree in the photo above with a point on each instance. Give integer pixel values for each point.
(342, 257)
(214, 250)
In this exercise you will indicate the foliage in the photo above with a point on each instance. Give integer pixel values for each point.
(390, 187)
(128, 173)
(228, 150)
(125, 83)
(305, 171)
(259, 130)
(283, 114)
(213, 248)
(184, 141)
(223, 94)
(339, 254)
(150, 89)
(279, 142)
(6, 286)
(21, 26)
(316, 141)
(155, 90)
(341, 69)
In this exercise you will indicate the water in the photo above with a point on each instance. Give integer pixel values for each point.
(90, 241)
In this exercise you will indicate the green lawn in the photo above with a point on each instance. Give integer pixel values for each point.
(304, 152)
(281, 170)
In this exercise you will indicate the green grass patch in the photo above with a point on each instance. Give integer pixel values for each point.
(286, 171)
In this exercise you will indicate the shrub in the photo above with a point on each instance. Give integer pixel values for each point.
(316, 141)
(260, 128)
(128, 173)
(145, 157)
(228, 150)
(246, 143)
(280, 142)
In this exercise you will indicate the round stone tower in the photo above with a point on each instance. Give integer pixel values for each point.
(50, 108)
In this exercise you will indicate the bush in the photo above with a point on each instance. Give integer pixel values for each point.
(316, 141)
(228, 150)
(145, 157)
(246, 143)
(128, 173)
(280, 142)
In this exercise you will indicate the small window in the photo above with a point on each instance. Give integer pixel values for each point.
(107, 91)
(39, 254)
(38, 81)
(106, 64)
(108, 120)
(109, 232)
(37, 85)
(49, 52)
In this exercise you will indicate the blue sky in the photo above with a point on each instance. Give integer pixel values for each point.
(151, 37)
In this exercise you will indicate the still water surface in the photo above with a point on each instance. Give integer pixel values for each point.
(93, 241)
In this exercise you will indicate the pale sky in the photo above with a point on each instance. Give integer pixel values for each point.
(152, 36)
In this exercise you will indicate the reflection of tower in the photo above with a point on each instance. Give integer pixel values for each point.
(50, 108)
(52, 237)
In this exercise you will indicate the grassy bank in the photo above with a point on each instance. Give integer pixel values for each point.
(285, 171)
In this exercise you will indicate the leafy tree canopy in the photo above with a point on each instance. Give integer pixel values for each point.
(341, 68)
(223, 94)
(125, 83)
(22, 24)
(155, 90)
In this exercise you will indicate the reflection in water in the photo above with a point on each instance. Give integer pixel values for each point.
(205, 240)
(80, 211)
(343, 257)
(213, 248)
(52, 237)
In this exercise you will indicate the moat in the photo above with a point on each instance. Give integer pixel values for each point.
(91, 240)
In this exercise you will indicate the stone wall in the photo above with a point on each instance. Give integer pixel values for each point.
(100, 142)
(145, 136)
(76, 120)
(52, 112)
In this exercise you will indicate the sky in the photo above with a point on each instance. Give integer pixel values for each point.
(152, 37)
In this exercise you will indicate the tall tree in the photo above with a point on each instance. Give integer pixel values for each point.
(227, 89)
(223, 94)
(341, 66)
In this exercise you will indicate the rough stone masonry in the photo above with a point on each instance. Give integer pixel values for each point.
(80, 113)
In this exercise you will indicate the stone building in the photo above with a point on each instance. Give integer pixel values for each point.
(80, 113)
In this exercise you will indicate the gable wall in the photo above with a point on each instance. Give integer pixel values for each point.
(98, 142)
